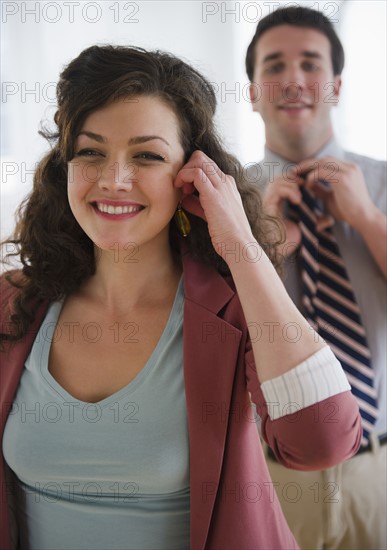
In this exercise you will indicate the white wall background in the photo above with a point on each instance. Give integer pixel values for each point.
(39, 38)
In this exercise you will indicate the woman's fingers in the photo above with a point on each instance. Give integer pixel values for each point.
(191, 203)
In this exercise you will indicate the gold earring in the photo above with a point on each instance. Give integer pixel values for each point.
(182, 221)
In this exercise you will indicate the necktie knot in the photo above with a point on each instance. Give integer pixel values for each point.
(312, 213)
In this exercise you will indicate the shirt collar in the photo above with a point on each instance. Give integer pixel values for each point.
(273, 164)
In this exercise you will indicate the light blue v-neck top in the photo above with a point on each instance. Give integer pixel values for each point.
(106, 475)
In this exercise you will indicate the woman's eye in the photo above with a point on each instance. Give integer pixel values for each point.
(87, 153)
(149, 156)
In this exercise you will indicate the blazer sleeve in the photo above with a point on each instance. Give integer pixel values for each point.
(312, 437)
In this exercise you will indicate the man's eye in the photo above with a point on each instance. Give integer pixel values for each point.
(273, 69)
(149, 156)
(310, 67)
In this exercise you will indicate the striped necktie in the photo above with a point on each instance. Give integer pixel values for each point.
(331, 307)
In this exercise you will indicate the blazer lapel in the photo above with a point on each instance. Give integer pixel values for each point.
(211, 347)
(14, 358)
(12, 363)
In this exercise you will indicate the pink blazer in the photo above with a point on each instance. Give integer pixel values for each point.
(233, 504)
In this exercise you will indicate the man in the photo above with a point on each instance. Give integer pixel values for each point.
(333, 205)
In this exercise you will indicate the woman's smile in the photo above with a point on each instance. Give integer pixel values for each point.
(116, 210)
(127, 155)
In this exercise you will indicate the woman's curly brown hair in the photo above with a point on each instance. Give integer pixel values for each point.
(56, 255)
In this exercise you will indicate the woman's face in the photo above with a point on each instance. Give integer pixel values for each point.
(121, 179)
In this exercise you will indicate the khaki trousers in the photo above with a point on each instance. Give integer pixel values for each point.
(343, 507)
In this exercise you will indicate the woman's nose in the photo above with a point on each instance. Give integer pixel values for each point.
(118, 176)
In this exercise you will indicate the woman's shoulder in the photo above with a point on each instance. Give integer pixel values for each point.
(11, 279)
(10, 282)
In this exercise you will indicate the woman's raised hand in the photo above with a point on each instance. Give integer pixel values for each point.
(219, 202)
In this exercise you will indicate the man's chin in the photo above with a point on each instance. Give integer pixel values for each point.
(299, 135)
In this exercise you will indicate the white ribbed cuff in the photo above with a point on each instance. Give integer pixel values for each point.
(319, 377)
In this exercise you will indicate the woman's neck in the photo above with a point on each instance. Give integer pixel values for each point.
(132, 277)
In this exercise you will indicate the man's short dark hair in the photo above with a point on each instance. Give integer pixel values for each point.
(298, 17)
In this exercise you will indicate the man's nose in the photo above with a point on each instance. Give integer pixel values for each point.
(295, 73)
(294, 83)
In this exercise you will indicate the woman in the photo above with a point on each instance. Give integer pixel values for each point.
(126, 332)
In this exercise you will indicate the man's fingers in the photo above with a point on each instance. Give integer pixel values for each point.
(323, 170)
(324, 221)
(292, 193)
(322, 192)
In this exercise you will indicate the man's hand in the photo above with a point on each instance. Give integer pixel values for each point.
(347, 199)
(284, 188)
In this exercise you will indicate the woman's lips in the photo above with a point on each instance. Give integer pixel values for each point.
(117, 210)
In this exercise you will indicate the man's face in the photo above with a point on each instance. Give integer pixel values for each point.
(294, 87)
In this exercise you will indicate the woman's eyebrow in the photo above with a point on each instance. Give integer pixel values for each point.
(92, 135)
(143, 139)
(132, 141)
